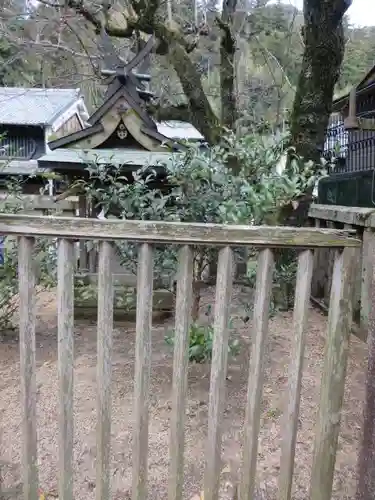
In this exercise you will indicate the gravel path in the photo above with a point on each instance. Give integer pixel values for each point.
(85, 413)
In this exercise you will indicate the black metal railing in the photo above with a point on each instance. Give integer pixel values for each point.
(349, 150)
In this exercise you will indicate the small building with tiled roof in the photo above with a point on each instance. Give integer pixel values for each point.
(28, 117)
(122, 130)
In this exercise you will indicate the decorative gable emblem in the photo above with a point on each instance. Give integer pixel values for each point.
(122, 132)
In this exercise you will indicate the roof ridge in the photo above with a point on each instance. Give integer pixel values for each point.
(39, 89)
(35, 106)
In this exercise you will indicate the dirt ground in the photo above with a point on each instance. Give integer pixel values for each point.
(85, 413)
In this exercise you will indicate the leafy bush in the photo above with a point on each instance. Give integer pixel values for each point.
(201, 343)
(284, 280)
(86, 293)
(44, 259)
(233, 183)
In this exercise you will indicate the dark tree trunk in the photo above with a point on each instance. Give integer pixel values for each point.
(201, 113)
(227, 65)
(323, 36)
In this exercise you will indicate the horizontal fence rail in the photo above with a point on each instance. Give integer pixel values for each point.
(174, 232)
(355, 216)
(187, 235)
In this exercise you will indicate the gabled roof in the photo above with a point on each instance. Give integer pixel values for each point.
(121, 105)
(123, 119)
(366, 84)
(368, 79)
(34, 106)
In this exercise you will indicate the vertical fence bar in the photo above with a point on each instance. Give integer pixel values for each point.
(333, 378)
(65, 327)
(367, 276)
(104, 369)
(142, 371)
(331, 252)
(366, 455)
(218, 372)
(357, 284)
(301, 307)
(26, 274)
(317, 268)
(180, 370)
(82, 211)
(256, 369)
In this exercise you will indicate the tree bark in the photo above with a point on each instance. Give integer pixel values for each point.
(227, 65)
(323, 54)
(200, 109)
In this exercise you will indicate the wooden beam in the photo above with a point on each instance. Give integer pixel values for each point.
(291, 416)
(104, 369)
(366, 455)
(65, 315)
(356, 216)
(184, 301)
(368, 257)
(259, 336)
(39, 202)
(351, 122)
(333, 377)
(218, 374)
(175, 232)
(359, 124)
(142, 373)
(26, 273)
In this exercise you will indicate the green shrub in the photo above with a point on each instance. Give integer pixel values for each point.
(284, 280)
(203, 187)
(44, 260)
(201, 342)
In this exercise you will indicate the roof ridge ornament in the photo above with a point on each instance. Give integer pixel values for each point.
(117, 67)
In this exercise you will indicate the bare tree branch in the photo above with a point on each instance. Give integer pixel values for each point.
(142, 16)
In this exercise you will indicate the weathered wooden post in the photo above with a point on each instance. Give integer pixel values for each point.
(366, 458)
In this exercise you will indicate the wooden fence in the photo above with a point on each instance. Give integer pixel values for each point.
(362, 222)
(38, 204)
(27, 228)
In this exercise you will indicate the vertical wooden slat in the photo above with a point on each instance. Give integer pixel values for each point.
(256, 369)
(357, 284)
(104, 369)
(83, 255)
(65, 318)
(142, 371)
(330, 260)
(366, 455)
(368, 246)
(301, 307)
(333, 378)
(218, 372)
(26, 273)
(180, 369)
(315, 285)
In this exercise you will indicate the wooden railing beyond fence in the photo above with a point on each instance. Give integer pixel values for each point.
(362, 222)
(225, 237)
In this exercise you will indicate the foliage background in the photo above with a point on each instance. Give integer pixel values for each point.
(45, 46)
